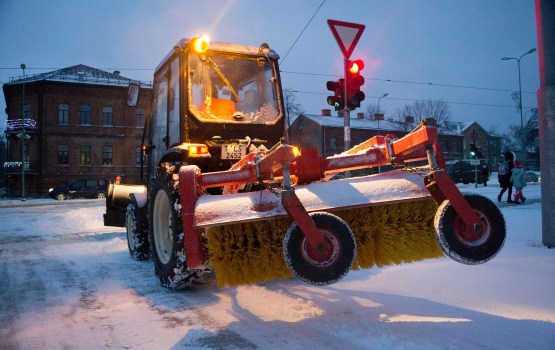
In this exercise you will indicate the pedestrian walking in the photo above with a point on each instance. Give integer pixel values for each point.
(518, 179)
(485, 175)
(504, 172)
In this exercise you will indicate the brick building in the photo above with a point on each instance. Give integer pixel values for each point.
(71, 123)
(326, 132)
(475, 136)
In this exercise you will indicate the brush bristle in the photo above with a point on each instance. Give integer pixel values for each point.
(386, 234)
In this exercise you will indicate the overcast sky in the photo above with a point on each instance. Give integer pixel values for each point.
(454, 45)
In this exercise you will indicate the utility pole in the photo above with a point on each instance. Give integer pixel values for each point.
(545, 22)
(23, 136)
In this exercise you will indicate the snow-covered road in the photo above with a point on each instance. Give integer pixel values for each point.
(67, 282)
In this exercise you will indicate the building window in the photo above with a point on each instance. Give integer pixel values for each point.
(26, 108)
(107, 116)
(333, 143)
(140, 117)
(107, 155)
(85, 114)
(63, 114)
(85, 158)
(138, 155)
(63, 153)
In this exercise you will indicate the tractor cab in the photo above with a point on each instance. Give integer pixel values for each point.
(213, 103)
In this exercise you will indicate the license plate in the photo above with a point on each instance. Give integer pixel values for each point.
(234, 151)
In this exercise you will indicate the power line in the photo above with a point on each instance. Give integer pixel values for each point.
(413, 82)
(57, 68)
(302, 31)
(414, 100)
(315, 74)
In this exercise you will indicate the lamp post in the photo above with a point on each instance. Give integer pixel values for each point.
(23, 138)
(379, 98)
(520, 90)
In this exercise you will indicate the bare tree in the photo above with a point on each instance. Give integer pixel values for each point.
(292, 108)
(419, 110)
(527, 137)
(371, 110)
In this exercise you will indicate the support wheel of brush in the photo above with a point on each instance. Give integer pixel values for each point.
(328, 264)
(166, 235)
(468, 247)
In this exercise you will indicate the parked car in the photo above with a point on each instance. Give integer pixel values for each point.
(82, 188)
(463, 171)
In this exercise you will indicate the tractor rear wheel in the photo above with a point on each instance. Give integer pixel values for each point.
(137, 234)
(466, 246)
(321, 267)
(166, 236)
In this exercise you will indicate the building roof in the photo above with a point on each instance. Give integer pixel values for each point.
(366, 124)
(77, 74)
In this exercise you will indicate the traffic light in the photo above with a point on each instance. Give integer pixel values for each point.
(353, 82)
(337, 99)
(473, 151)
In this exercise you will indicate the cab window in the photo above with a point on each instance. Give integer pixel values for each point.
(233, 89)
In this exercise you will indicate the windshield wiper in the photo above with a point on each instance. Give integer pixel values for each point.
(224, 79)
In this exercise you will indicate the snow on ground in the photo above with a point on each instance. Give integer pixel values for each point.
(68, 282)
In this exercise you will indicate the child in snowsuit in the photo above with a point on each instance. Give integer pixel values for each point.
(518, 178)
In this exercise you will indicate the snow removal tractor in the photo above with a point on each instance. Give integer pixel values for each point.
(226, 196)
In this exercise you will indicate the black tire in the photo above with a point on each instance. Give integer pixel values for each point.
(61, 196)
(101, 195)
(166, 235)
(461, 246)
(137, 234)
(330, 266)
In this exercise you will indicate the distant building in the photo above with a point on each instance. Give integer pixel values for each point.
(474, 135)
(326, 132)
(74, 123)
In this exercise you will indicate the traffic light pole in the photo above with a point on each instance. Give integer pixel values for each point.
(346, 112)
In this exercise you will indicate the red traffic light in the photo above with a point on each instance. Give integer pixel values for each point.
(354, 82)
(354, 67)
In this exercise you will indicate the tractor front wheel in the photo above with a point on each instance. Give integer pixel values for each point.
(321, 265)
(465, 245)
(166, 236)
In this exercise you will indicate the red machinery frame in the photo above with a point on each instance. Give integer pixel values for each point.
(283, 163)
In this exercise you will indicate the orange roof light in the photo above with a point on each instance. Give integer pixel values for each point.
(201, 44)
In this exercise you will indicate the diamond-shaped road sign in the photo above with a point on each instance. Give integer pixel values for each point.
(346, 34)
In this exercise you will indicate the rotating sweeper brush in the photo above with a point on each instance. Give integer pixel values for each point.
(300, 224)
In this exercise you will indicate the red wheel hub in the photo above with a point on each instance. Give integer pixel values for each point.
(323, 255)
(470, 236)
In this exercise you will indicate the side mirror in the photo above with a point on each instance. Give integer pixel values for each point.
(133, 94)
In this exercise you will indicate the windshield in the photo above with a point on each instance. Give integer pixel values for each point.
(233, 89)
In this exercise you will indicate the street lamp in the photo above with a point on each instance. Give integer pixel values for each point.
(379, 98)
(520, 88)
(23, 138)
